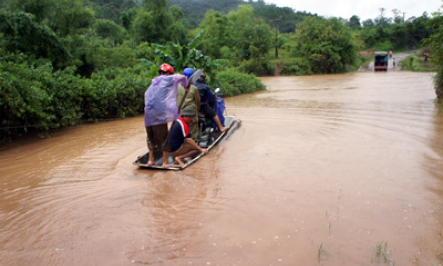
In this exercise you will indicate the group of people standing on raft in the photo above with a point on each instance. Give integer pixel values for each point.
(162, 102)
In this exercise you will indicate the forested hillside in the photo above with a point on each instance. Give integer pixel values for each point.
(110, 9)
(195, 10)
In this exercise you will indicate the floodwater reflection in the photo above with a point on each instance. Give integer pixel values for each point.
(333, 170)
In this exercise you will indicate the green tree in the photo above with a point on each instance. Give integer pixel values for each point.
(242, 36)
(419, 28)
(145, 28)
(110, 9)
(216, 33)
(109, 29)
(247, 31)
(195, 10)
(382, 20)
(400, 37)
(20, 32)
(177, 12)
(369, 36)
(286, 17)
(182, 56)
(398, 16)
(67, 17)
(369, 23)
(233, 82)
(39, 8)
(435, 44)
(326, 44)
(156, 5)
(383, 34)
(156, 24)
(354, 22)
(127, 17)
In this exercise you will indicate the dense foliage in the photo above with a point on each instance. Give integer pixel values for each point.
(183, 56)
(240, 37)
(195, 10)
(232, 83)
(326, 44)
(286, 17)
(37, 98)
(22, 33)
(111, 10)
(435, 42)
(387, 34)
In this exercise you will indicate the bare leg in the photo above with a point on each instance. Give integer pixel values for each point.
(165, 159)
(179, 161)
(151, 157)
(180, 158)
(219, 125)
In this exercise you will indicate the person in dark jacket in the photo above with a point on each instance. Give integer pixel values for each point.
(207, 100)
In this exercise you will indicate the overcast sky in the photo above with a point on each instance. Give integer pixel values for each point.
(364, 9)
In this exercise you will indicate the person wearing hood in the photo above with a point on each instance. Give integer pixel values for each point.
(208, 99)
(160, 109)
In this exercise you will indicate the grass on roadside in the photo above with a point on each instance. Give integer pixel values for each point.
(361, 61)
(382, 254)
(417, 63)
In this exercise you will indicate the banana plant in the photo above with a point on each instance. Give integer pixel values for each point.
(183, 56)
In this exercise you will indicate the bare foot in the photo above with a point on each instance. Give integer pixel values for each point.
(151, 163)
(224, 129)
(166, 164)
(179, 161)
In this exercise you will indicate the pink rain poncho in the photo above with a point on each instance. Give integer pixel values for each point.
(161, 100)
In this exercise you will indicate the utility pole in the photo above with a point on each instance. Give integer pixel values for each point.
(276, 37)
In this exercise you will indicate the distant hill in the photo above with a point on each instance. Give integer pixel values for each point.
(195, 11)
(110, 9)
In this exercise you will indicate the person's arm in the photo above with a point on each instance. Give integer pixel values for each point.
(197, 98)
(181, 80)
(193, 144)
(210, 96)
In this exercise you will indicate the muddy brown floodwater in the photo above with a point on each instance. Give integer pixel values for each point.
(325, 170)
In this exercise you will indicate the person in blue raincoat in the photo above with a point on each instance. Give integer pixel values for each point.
(207, 100)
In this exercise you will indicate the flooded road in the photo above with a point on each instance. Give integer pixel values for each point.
(325, 170)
